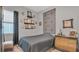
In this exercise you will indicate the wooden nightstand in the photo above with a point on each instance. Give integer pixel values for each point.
(66, 43)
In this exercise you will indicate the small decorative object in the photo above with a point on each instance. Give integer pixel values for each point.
(60, 33)
(73, 33)
(23, 13)
(35, 22)
(29, 14)
(68, 23)
(40, 23)
(29, 22)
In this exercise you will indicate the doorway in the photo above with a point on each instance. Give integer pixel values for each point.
(15, 35)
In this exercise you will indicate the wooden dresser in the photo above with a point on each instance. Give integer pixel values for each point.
(66, 43)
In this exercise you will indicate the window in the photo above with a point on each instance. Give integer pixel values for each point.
(8, 22)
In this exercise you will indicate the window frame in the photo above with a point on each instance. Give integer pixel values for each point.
(7, 23)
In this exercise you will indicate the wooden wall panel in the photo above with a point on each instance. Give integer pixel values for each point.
(49, 22)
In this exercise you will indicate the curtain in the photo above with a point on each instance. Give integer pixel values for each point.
(15, 35)
(0, 28)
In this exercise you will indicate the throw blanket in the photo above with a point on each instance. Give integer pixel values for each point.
(37, 43)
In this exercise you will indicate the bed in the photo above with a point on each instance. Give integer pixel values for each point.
(39, 43)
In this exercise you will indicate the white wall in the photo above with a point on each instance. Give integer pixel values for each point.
(22, 30)
(64, 13)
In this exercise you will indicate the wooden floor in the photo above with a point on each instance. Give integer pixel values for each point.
(53, 50)
(16, 48)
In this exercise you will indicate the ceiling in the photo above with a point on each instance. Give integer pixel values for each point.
(38, 8)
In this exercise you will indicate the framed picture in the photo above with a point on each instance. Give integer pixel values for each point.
(68, 23)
